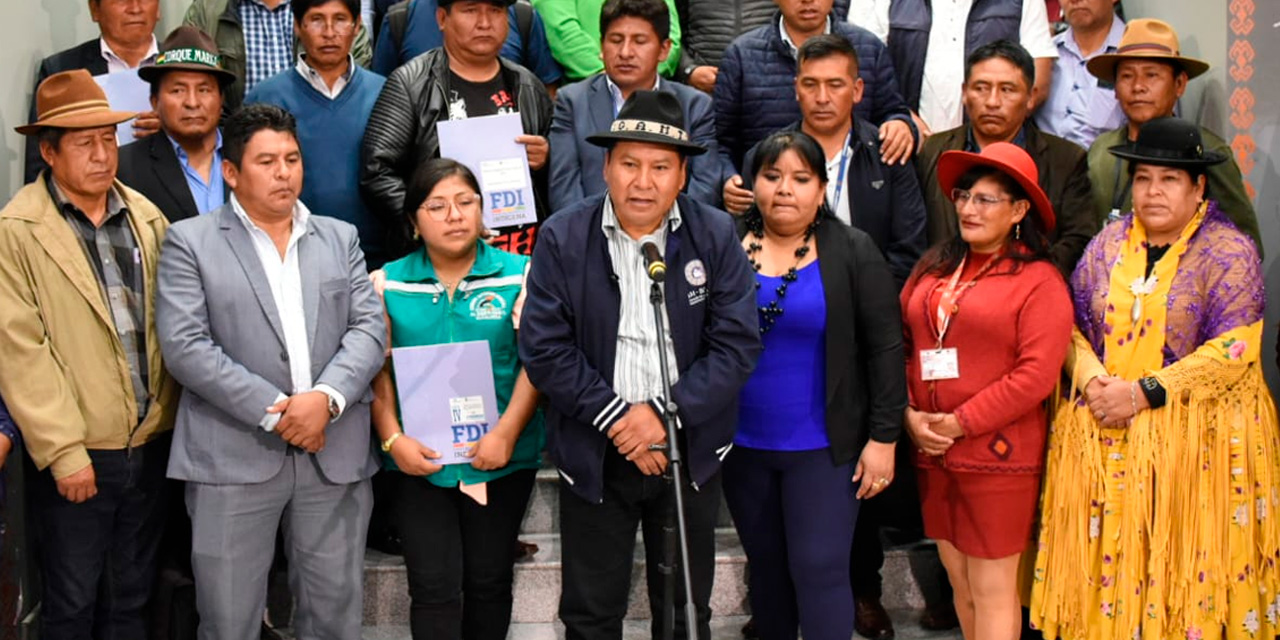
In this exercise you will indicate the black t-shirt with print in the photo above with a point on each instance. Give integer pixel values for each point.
(475, 99)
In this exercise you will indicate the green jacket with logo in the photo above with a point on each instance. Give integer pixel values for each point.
(420, 312)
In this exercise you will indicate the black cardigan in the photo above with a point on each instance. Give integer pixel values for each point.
(866, 377)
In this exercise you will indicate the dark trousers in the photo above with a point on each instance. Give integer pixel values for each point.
(795, 512)
(599, 551)
(460, 556)
(98, 558)
(897, 507)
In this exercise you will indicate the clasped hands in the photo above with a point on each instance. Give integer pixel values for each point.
(1114, 401)
(932, 433)
(635, 432)
(303, 419)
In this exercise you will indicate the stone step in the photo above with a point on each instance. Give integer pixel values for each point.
(905, 623)
(537, 581)
(543, 512)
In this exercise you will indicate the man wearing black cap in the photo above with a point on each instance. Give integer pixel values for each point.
(589, 343)
(464, 78)
(186, 80)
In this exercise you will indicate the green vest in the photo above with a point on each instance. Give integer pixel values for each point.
(421, 313)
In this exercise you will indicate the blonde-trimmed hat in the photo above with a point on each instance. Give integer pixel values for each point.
(72, 100)
(1145, 38)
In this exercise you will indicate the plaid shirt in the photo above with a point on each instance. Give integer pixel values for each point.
(113, 253)
(268, 40)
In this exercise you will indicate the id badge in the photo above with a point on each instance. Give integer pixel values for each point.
(939, 364)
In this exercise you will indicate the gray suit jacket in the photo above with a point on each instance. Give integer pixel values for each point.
(222, 340)
(585, 108)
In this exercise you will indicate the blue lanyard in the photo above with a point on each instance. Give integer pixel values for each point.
(844, 164)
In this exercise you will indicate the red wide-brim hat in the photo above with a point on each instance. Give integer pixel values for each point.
(1011, 160)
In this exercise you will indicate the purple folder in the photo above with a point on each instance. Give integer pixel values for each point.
(447, 400)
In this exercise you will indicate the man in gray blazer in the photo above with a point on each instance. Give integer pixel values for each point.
(634, 40)
(267, 319)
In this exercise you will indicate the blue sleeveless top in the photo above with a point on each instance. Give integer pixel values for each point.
(783, 405)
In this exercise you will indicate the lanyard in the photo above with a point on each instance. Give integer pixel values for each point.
(949, 304)
(844, 164)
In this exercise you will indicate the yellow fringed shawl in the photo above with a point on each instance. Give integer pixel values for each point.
(1169, 528)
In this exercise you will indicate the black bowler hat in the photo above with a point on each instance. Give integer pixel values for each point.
(1168, 142)
(650, 116)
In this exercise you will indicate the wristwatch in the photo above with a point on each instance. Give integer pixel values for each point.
(334, 409)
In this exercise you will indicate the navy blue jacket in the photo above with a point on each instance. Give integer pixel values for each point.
(584, 108)
(569, 336)
(884, 200)
(755, 91)
(911, 20)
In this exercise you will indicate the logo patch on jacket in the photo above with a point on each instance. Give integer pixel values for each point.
(695, 273)
(488, 306)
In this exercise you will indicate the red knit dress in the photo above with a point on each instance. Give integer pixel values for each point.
(1011, 334)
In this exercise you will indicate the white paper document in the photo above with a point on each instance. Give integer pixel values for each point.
(125, 92)
(446, 393)
(487, 145)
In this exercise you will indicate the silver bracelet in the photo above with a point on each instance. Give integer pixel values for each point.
(1133, 397)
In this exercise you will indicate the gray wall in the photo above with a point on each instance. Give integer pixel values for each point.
(29, 31)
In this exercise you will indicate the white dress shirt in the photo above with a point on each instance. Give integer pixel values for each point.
(316, 80)
(637, 376)
(285, 279)
(116, 63)
(838, 182)
(941, 90)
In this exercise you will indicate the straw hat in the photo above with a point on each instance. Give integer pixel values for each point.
(72, 100)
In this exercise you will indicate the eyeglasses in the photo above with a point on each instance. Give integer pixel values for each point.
(980, 202)
(341, 25)
(438, 208)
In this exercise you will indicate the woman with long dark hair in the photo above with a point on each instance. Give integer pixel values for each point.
(988, 321)
(821, 413)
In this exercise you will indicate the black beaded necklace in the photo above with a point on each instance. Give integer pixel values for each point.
(770, 312)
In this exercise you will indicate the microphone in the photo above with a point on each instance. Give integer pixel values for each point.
(653, 263)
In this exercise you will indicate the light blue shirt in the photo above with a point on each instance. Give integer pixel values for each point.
(208, 196)
(616, 93)
(1078, 109)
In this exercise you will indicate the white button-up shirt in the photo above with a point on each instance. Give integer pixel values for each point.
(317, 82)
(285, 280)
(942, 88)
(637, 376)
(116, 63)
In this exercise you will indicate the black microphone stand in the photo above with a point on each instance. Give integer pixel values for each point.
(675, 529)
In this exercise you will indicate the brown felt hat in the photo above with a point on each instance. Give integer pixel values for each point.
(187, 49)
(1145, 38)
(72, 100)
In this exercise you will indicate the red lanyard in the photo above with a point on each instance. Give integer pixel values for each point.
(949, 303)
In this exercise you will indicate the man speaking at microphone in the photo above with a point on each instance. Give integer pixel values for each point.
(589, 343)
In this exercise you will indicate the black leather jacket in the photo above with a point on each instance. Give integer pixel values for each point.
(401, 133)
